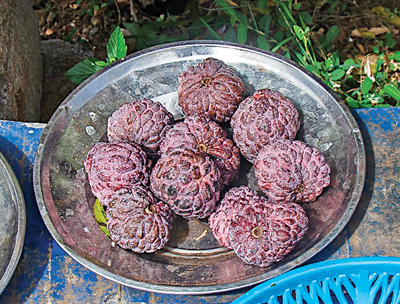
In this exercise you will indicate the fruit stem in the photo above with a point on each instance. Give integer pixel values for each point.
(206, 81)
(202, 147)
(256, 232)
(150, 209)
(300, 188)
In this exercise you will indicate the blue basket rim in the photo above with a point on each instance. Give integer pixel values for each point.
(330, 267)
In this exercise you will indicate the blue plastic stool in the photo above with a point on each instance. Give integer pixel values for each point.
(363, 280)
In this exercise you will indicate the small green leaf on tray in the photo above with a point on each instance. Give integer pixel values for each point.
(100, 217)
(104, 230)
(99, 213)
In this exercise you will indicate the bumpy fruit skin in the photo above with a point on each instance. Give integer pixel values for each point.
(212, 88)
(263, 234)
(137, 221)
(199, 132)
(291, 171)
(143, 122)
(261, 119)
(233, 201)
(112, 166)
(188, 181)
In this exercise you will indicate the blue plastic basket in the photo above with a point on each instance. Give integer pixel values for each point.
(354, 280)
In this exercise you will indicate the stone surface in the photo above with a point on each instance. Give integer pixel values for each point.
(20, 61)
(58, 57)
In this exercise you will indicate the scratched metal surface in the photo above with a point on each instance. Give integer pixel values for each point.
(12, 222)
(46, 274)
(188, 264)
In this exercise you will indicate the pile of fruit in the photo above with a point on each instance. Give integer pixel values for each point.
(152, 167)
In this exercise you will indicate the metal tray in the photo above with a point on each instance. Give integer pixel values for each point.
(12, 222)
(189, 264)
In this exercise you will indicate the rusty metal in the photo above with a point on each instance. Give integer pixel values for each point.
(12, 222)
(192, 262)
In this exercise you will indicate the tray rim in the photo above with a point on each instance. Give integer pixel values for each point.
(20, 236)
(198, 290)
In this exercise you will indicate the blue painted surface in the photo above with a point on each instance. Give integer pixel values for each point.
(46, 274)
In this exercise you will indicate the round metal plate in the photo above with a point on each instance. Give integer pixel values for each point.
(12, 222)
(193, 262)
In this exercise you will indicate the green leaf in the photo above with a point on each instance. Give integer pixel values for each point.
(301, 58)
(306, 17)
(286, 12)
(233, 19)
(281, 43)
(397, 55)
(210, 30)
(328, 63)
(366, 85)
(262, 43)
(242, 33)
(224, 5)
(383, 106)
(297, 6)
(242, 17)
(352, 102)
(230, 35)
(116, 47)
(104, 230)
(299, 32)
(348, 63)
(337, 74)
(133, 28)
(101, 63)
(267, 24)
(278, 36)
(392, 91)
(99, 213)
(262, 3)
(82, 70)
(332, 33)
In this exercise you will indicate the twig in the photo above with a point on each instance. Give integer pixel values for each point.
(134, 16)
(119, 12)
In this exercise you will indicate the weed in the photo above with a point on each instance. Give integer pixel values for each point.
(116, 49)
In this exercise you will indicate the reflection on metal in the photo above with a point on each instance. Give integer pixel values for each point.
(12, 222)
(189, 264)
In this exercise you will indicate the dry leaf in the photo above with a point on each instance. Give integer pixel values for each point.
(49, 32)
(387, 16)
(231, 3)
(74, 6)
(369, 33)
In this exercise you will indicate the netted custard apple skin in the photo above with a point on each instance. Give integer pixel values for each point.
(188, 181)
(141, 121)
(211, 88)
(264, 233)
(261, 119)
(199, 132)
(233, 201)
(291, 171)
(142, 230)
(112, 166)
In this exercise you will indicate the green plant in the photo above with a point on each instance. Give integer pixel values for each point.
(376, 88)
(93, 6)
(116, 49)
(100, 217)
